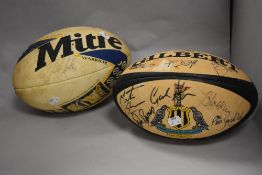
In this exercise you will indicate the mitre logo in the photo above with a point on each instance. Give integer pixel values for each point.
(66, 43)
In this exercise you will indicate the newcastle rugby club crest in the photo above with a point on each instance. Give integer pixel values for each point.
(179, 117)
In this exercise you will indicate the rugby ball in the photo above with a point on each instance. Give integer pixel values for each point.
(70, 69)
(185, 94)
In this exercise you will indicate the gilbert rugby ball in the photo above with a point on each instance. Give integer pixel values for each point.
(70, 69)
(185, 94)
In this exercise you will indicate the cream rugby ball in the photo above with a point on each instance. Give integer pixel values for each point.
(70, 69)
(185, 94)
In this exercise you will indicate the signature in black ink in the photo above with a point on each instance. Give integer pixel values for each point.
(171, 63)
(183, 62)
(230, 121)
(212, 100)
(227, 121)
(145, 115)
(188, 63)
(127, 97)
(155, 97)
(141, 117)
(143, 65)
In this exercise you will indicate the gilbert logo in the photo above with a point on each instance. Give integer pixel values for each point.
(80, 43)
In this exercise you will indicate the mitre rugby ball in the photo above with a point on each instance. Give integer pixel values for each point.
(70, 69)
(185, 94)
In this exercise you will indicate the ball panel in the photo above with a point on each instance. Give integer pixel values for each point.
(58, 96)
(29, 72)
(182, 109)
(188, 62)
(59, 71)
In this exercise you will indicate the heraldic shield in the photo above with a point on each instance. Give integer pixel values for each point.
(179, 119)
(178, 116)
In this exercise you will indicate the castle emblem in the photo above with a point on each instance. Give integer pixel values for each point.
(179, 116)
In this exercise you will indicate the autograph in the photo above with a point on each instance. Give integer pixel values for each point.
(212, 100)
(231, 121)
(155, 97)
(127, 97)
(143, 117)
(178, 63)
(227, 121)
(168, 64)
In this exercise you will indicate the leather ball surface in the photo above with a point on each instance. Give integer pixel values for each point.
(70, 69)
(185, 94)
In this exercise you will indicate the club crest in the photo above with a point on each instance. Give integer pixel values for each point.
(179, 119)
